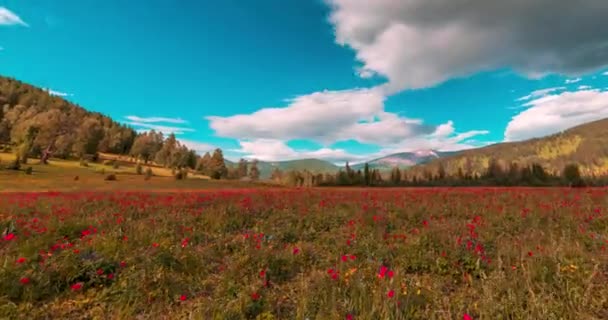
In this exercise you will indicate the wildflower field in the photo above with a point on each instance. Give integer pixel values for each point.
(305, 254)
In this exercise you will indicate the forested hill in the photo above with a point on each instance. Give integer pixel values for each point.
(32, 118)
(585, 145)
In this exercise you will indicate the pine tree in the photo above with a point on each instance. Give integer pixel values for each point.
(217, 166)
(242, 168)
(254, 173)
(366, 175)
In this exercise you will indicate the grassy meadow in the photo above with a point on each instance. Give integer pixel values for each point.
(262, 253)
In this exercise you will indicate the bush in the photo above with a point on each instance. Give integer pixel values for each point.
(179, 175)
(115, 165)
(29, 170)
(108, 163)
(102, 171)
(149, 173)
(15, 165)
(110, 177)
(84, 163)
(139, 169)
(76, 178)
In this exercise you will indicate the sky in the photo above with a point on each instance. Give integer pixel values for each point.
(339, 80)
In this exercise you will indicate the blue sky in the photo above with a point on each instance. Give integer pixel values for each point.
(336, 79)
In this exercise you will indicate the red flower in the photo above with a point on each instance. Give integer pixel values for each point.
(99, 272)
(9, 237)
(530, 253)
(21, 260)
(76, 286)
(255, 296)
(262, 273)
(155, 245)
(352, 257)
(390, 274)
(123, 264)
(390, 294)
(344, 258)
(183, 297)
(466, 317)
(349, 317)
(296, 250)
(110, 276)
(24, 280)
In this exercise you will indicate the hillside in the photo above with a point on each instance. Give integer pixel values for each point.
(586, 145)
(33, 119)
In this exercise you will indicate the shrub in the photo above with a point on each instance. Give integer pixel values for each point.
(139, 169)
(110, 177)
(115, 165)
(108, 163)
(29, 170)
(102, 171)
(16, 164)
(84, 163)
(148, 173)
(179, 175)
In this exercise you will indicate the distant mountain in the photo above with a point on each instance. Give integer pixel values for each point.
(585, 145)
(404, 159)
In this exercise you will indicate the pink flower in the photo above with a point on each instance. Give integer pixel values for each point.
(349, 317)
(466, 317)
(296, 250)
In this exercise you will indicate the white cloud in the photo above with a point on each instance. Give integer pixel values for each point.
(575, 80)
(199, 147)
(325, 117)
(420, 43)
(541, 93)
(8, 17)
(605, 73)
(554, 113)
(444, 138)
(155, 119)
(58, 93)
(142, 126)
(277, 150)
(584, 87)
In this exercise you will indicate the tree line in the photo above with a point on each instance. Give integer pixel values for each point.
(495, 175)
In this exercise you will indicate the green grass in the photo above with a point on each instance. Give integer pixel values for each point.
(59, 175)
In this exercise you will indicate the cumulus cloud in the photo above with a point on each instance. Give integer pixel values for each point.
(199, 147)
(8, 17)
(155, 119)
(557, 112)
(443, 138)
(325, 117)
(277, 150)
(420, 43)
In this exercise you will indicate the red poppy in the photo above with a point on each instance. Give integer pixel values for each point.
(262, 273)
(390, 294)
(296, 250)
(255, 296)
(99, 272)
(76, 286)
(349, 317)
(123, 264)
(344, 258)
(9, 237)
(111, 276)
(183, 297)
(24, 280)
(466, 317)
(21, 260)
